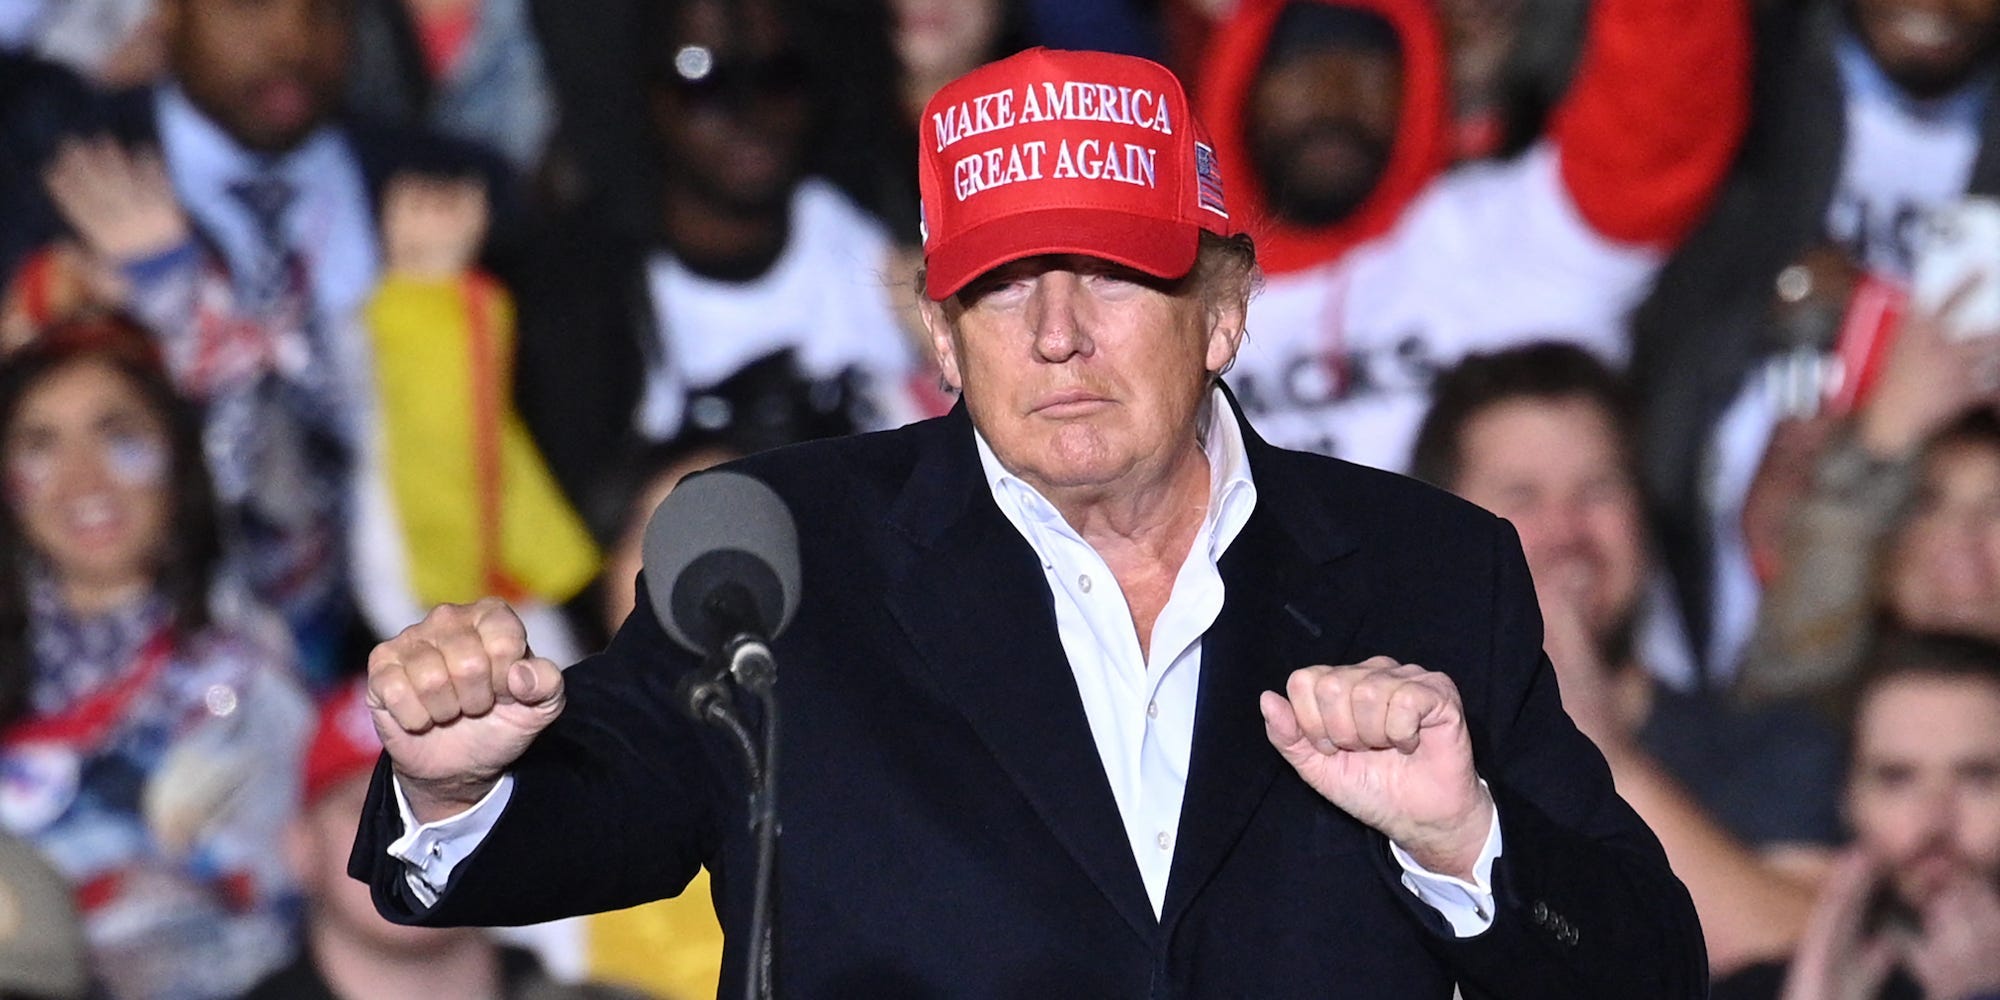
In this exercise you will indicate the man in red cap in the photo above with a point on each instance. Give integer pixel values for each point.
(350, 951)
(1091, 692)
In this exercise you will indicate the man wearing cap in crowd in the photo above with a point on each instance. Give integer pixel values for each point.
(349, 950)
(1091, 692)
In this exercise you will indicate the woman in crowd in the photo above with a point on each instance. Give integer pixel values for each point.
(153, 724)
(1896, 520)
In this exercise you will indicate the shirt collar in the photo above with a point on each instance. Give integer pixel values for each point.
(1231, 491)
(202, 156)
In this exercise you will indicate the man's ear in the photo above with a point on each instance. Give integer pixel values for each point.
(944, 340)
(1227, 315)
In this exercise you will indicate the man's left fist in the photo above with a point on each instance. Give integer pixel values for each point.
(1386, 742)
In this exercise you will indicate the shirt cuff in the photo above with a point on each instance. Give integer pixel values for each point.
(429, 851)
(1467, 906)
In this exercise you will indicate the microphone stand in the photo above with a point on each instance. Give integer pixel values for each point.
(746, 659)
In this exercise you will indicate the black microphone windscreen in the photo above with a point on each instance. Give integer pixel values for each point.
(722, 554)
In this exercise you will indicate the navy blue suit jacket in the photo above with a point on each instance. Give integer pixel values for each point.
(948, 830)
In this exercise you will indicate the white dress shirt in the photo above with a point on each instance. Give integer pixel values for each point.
(1140, 706)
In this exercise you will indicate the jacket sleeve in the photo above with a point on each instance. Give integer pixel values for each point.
(617, 803)
(1655, 114)
(1817, 618)
(1585, 904)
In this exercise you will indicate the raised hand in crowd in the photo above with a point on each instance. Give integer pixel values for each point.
(1841, 957)
(457, 698)
(1955, 954)
(433, 227)
(119, 201)
(1387, 743)
(1930, 378)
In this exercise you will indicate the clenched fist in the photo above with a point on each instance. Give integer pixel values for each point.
(457, 699)
(1387, 743)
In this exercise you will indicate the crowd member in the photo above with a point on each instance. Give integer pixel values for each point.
(1542, 435)
(249, 244)
(1333, 117)
(153, 723)
(1912, 913)
(1878, 513)
(1872, 116)
(1900, 525)
(349, 951)
(748, 254)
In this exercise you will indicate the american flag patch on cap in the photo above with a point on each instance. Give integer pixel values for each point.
(1208, 177)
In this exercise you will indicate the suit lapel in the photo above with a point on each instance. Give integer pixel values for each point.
(974, 603)
(1293, 600)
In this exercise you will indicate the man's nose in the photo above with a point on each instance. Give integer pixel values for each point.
(1560, 524)
(1059, 312)
(1938, 813)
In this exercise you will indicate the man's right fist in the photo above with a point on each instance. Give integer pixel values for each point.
(457, 699)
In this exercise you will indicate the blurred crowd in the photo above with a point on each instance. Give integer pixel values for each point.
(315, 313)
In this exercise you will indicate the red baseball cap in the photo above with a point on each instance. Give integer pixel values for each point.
(1050, 151)
(344, 744)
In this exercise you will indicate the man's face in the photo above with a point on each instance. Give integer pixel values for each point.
(1321, 127)
(1928, 46)
(1924, 793)
(267, 71)
(733, 113)
(1555, 468)
(1082, 374)
(1944, 571)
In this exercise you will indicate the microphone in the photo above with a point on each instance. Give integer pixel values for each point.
(722, 569)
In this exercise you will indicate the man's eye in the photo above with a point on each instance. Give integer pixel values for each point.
(1002, 289)
(1112, 281)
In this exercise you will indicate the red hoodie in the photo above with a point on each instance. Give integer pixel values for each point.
(1646, 134)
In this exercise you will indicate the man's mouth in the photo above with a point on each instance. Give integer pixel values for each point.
(1069, 403)
(285, 102)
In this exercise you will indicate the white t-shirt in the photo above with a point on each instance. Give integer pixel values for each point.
(1339, 359)
(1903, 160)
(827, 297)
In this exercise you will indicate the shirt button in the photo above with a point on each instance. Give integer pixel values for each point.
(436, 848)
(1152, 710)
(1083, 582)
(1163, 840)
